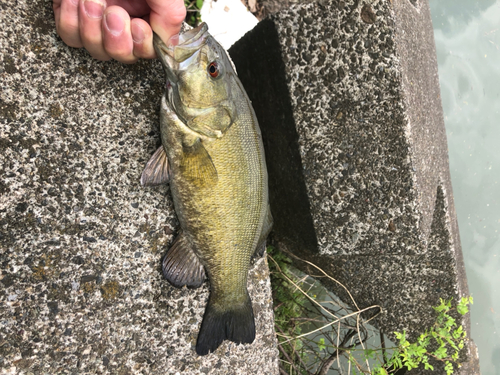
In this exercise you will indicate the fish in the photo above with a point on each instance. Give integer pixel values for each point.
(212, 157)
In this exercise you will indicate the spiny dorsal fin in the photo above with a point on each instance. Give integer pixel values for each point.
(197, 165)
(181, 266)
(156, 171)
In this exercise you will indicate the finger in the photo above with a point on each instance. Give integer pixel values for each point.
(56, 7)
(136, 8)
(166, 17)
(67, 25)
(117, 35)
(90, 17)
(142, 36)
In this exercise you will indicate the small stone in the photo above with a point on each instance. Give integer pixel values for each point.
(75, 285)
(21, 207)
(367, 14)
(78, 260)
(88, 278)
(110, 290)
(392, 226)
(53, 307)
(7, 280)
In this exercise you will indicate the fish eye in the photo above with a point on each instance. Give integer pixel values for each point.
(213, 69)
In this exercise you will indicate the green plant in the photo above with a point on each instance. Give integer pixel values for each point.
(318, 334)
(288, 306)
(447, 337)
(193, 7)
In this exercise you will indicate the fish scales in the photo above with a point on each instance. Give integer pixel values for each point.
(222, 221)
(212, 157)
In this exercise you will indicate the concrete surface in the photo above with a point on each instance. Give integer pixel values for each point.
(81, 290)
(347, 96)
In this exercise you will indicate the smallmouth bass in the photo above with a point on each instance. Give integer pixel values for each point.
(213, 158)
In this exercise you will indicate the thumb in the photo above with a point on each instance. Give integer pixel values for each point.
(166, 17)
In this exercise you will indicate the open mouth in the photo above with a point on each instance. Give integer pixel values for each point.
(188, 43)
(177, 57)
(193, 35)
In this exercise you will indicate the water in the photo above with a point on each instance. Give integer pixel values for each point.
(467, 35)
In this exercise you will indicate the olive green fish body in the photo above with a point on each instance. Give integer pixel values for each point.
(223, 220)
(213, 158)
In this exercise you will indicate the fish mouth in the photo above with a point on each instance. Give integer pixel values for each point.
(175, 57)
(196, 35)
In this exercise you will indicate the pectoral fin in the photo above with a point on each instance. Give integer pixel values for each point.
(181, 266)
(197, 165)
(156, 171)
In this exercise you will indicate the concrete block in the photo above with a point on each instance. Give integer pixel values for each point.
(81, 241)
(347, 96)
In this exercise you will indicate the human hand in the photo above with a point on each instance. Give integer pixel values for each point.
(107, 31)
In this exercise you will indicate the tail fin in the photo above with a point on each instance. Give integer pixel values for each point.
(235, 323)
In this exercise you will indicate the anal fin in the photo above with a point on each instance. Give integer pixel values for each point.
(181, 265)
(156, 171)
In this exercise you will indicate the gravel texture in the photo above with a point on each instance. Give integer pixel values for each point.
(347, 96)
(81, 290)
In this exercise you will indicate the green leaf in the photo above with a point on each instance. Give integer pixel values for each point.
(443, 332)
(458, 332)
(462, 309)
(369, 353)
(321, 344)
(448, 368)
(199, 4)
(462, 306)
(428, 367)
(450, 322)
(421, 351)
(399, 363)
(452, 344)
(441, 352)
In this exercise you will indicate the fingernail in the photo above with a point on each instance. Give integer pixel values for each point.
(114, 23)
(137, 33)
(94, 8)
(174, 40)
